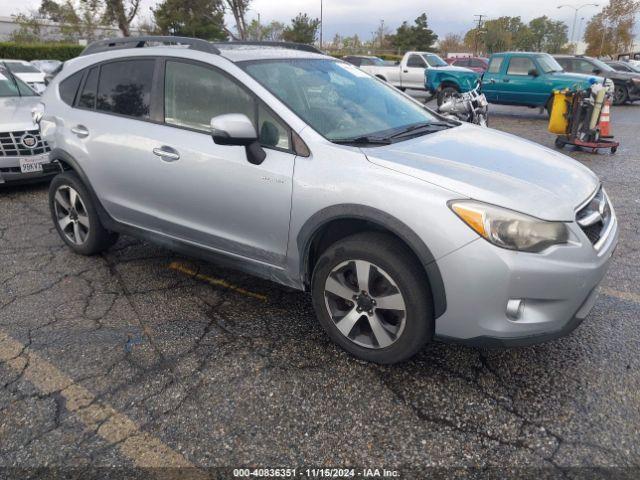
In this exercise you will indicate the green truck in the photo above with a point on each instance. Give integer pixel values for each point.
(513, 78)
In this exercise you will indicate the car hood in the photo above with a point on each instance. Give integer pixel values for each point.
(493, 167)
(15, 113)
(571, 78)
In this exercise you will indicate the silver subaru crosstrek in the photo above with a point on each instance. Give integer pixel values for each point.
(299, 168)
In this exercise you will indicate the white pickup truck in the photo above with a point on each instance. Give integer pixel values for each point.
(409, 73)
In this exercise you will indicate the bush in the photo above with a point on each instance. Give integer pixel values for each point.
(39, 51)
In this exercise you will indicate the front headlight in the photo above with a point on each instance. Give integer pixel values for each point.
(508, 229)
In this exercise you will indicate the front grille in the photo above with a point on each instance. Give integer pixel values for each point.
(11, 144)
(595, 217)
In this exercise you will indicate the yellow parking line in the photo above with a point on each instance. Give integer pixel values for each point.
(631, 297)
(145, 450)
(179, 267)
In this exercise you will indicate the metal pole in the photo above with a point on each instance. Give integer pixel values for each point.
(321, 24)
(573, 28)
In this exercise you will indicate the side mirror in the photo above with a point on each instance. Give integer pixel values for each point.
(597, 71)
(237, 129)
(533, 72)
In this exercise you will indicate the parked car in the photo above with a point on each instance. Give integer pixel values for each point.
(626, 84)
(46, 66)
(363, 60)
(623, 66)
(448, 82)
(528, 79)
(24, 156)
(477, 64)
(27, 73)
(410, 72)
(404, 226)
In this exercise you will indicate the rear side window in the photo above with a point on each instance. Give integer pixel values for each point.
(125, 88)
(194, 94)
(520, 66)
(495, 64)
(88, 95)
(69, 87)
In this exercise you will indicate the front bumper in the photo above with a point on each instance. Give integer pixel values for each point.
(10, 172)
(557, 289)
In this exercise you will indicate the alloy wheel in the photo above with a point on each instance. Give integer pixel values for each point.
(71, 215)
(365, 304)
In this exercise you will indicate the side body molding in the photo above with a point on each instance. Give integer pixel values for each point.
(315, 223)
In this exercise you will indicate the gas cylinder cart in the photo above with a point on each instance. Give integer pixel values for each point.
(582, 118)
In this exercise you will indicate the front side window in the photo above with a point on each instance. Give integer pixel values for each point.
(272, 132)
(124, 88)
(337, 99)
(520, 66)
(495, 64)
(416, 61)
(194, 94)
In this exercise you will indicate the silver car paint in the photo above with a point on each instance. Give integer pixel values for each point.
(214, 198)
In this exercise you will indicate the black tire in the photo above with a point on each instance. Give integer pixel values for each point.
(395, 259)
(560, 143)
(445, 93)
(549, 106)
(97, 238)
(402, 89)
(620, 95)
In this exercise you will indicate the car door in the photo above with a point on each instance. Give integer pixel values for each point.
(491, 80)
(413, 72)
(210, 194)
(520, 86)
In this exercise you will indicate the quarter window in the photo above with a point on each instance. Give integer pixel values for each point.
(125, 88)
(520, 66)
(88, 96)
(69, 87)
(194, 94)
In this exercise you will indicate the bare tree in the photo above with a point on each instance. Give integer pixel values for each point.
(121, 12)
(239, 10)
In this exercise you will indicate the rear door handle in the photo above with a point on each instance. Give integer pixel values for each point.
(80, 131)
(167, 153)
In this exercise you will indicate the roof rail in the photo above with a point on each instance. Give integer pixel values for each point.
(141, 42)
(289, 45)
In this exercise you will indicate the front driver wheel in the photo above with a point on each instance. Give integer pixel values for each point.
(620, 95)
(372, 298)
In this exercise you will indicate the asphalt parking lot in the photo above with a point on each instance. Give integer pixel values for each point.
(142, 358)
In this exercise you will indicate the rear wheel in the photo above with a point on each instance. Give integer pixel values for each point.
(75, 217)
(620, 95)
(446, 93)
(372, 298)
(549, 106)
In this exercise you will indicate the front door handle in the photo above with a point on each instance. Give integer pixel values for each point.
(167, 153)
(80, 131)
(406, 71)
(506, 80)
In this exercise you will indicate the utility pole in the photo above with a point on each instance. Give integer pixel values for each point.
(477, 18)
(321, 24)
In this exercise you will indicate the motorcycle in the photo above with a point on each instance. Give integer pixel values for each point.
(471, 107)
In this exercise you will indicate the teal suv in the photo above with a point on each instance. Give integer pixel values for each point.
(528, 79)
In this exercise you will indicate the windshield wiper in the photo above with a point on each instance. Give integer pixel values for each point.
(428, 127)
(363, 140)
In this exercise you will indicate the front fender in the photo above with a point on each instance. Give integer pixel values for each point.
(464, 79)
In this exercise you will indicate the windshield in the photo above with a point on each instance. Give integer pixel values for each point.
(337, 99)
(434, 60)
(548, 63)
(602, 66)
(10, 86)
(17, 67)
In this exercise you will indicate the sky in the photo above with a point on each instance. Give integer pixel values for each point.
(347, 17)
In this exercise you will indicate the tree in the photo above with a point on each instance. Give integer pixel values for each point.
(547, 35)
(303, 29)
(414, 37)
(257, 31)
(452, 42)
(381, 36)
(29, 28)
(194, 18)
(611, 31)
(76, 18)
(239, 11)
(122, 13)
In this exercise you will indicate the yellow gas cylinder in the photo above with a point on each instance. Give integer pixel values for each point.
(558, 121)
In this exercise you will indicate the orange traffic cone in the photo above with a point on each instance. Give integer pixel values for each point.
(605, 119)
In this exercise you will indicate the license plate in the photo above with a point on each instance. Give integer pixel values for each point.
(32, 165)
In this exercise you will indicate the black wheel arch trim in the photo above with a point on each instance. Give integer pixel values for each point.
(314, 225)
